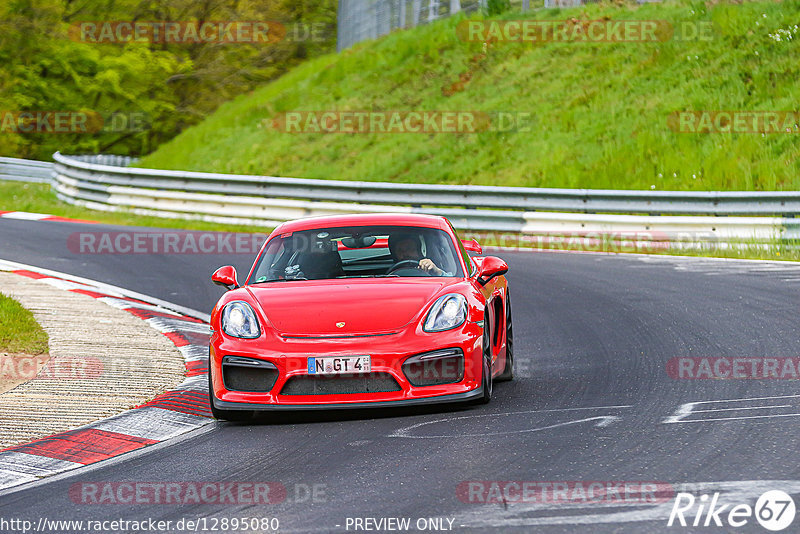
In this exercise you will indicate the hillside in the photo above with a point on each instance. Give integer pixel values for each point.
(599, 112)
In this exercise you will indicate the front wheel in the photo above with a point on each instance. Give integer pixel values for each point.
(508, 369)
(487, 367)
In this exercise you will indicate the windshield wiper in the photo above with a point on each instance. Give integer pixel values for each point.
(277, 280)
(369, 276)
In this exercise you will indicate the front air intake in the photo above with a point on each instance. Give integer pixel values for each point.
(445, 366)
(248, 374)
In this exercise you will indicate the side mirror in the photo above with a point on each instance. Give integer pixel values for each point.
(225, 277)
(490, 267)
(472, 246)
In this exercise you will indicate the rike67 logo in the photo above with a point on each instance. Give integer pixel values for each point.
(774, 510)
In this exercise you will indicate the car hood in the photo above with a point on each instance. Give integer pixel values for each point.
(365, 306)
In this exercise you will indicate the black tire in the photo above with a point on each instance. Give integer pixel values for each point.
(508, 370)
(487, 365)
(225, 415)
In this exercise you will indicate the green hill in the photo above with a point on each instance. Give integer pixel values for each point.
(599, 112)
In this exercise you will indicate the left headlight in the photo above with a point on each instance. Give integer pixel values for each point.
(449, 311)
(239, 320)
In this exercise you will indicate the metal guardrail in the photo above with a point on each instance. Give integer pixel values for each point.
(106, 159)
(100, 182)
(90, 175)
(25, 170)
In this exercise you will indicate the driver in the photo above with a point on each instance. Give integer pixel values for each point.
(406, 247)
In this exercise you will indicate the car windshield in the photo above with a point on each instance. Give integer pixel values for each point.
(358, 252)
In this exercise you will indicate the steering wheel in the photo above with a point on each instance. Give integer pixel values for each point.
(402, 264)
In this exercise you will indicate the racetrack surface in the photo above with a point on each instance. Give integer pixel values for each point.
(592, 402)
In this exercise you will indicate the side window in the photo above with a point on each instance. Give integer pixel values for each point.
(463, 252)
(439, 251)
(273, 261)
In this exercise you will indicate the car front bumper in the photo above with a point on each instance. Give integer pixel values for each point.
(441, 399)
(388, 353)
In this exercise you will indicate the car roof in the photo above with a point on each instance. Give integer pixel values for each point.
(364, 219)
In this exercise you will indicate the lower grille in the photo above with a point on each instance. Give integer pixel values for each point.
(435, 368)
(340, 384)
(248, 375)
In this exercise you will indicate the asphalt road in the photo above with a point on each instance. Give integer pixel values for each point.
(593, 401)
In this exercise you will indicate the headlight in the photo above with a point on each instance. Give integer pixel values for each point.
(239, 320)
(449, 311)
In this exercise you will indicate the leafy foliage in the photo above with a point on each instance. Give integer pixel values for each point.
(147, 92)
(497, 7)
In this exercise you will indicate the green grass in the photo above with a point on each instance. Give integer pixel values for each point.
(19, 331)
(735, 249)
(776, 251)
(599, 111)
(38, 198)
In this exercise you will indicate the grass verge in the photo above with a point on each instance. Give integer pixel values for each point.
(19, 331)
(774, 250)
(38, 198)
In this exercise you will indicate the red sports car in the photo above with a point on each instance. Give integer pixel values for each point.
(360, 311)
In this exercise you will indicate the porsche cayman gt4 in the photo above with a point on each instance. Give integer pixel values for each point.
(360, 311)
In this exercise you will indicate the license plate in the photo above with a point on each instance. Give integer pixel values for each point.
(337, 365)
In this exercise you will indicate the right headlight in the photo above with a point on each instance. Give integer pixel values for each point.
(449, 311)
(239, 320)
